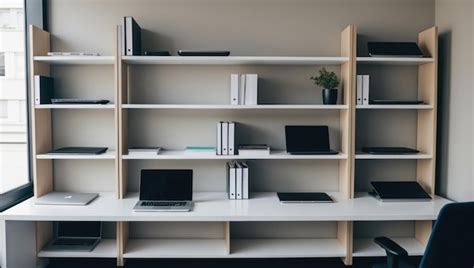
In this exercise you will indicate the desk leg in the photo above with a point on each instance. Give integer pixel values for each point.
(21, 240)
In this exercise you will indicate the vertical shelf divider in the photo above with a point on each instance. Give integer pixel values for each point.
(346, 118)
(40, 119)
(426, 122)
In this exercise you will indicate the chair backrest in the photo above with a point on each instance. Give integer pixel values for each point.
(452, 241)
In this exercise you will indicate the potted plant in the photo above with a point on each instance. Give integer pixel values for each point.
(329, 82)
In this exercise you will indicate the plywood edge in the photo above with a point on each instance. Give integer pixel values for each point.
(122, 239)
(345, 238)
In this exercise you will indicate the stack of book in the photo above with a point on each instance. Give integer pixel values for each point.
(244, 89)
(144, 150)
(237, 180)
(225, 138)
(362, 92)
(254, 150)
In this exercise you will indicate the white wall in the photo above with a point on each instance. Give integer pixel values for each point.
(455, 19)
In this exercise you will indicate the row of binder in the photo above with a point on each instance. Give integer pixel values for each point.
(362, 90)
(244, 89)
(225, 138)
(238, 180)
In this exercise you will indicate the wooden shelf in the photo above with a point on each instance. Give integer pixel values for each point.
(393, 61)
(396, 107)
(110, 154)
(286, 248)
(107, 248)
(76, 106)
(393, 156)
(175, 248)
(237, 107)
(76, 60)
(216, 207)
(235, 60)
(365, 247)
(176, 155)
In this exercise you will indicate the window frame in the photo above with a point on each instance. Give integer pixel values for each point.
(34, 13)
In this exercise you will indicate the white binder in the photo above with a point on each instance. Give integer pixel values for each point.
(242, 89)
(238, 181)
(245, 181)
(359, 90)
(231, 143)
(234, 89)
(231, 180)
(225, 138)
(251, 89)
(219, 138)
(365, 90)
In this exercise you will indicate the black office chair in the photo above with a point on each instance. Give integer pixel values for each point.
(451, 243)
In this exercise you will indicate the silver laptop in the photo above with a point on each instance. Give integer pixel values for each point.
(165, 190)
(76, 236)
(66, 198)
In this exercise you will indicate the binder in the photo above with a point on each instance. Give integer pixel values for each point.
(242, 89)
(238, 181)
(365, 89)
(123, 37)
(359, 90)
(251, 89)
(245, 181)
(231, 180)
(231, 148)
(219, 138)
(234, 89)
(133, 37)
(44, 89)
(225, 138)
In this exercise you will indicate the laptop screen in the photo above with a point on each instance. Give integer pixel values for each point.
(79, 229)
(307, 139)
(166, 184)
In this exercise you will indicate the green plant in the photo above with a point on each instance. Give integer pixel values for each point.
(326, 79)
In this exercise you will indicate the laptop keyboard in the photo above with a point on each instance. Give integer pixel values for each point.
(73, 242)
(164, 203)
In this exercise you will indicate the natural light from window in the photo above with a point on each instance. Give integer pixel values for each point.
(13, 116)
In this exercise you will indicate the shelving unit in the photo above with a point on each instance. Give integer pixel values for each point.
(217, 227)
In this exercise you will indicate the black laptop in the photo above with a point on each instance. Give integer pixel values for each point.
(79, 150)
(396, 191)
(389, 150)
(165, 190)
(304, 197)
(394, 49)
(308, 140)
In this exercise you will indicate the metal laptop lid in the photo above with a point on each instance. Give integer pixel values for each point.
(76, 229)
(166, 185)
(300, 139)
(66, 198)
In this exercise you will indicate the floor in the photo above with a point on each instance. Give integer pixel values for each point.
(217, 263)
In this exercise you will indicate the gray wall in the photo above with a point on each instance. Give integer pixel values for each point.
(456, 146)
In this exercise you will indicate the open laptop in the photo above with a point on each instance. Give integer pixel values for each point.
(307, 140)
(76, 236)
(66, 198)
(165, 190)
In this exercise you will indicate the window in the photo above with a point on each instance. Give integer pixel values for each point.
(15, 173)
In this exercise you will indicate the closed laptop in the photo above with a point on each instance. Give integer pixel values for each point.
(396, 191)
